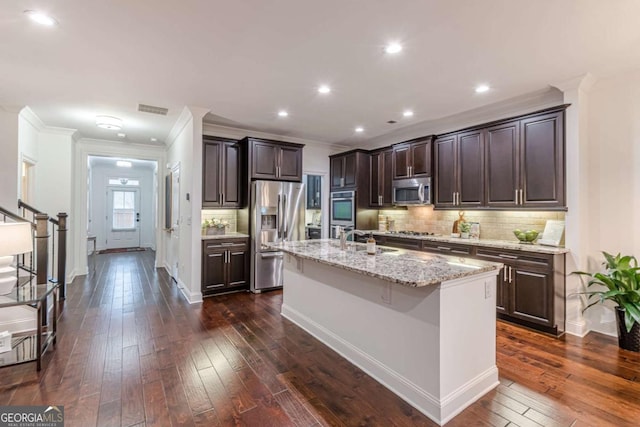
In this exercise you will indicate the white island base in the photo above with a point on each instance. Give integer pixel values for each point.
(434, 346)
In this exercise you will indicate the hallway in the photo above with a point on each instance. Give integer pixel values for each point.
(131, 351)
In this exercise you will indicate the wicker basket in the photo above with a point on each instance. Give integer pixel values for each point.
(627, 340)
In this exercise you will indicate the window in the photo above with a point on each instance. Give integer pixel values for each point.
(124, 210)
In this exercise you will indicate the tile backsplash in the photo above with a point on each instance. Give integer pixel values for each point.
(497, 225)
(229, 215)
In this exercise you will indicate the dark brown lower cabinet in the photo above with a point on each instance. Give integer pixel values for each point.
(225, 265)
(530, 288)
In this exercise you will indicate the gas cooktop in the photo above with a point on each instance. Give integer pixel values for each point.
(412, 233)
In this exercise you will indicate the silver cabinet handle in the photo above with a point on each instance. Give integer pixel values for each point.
(521, 196)
(443, 248)
(510, 280)
(507, 256)
(504, 273)
(222, 198)
(410, 170)
(341, 182)
(454, 198)
(517, 197)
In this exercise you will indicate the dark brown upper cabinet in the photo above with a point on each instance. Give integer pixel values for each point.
(459, 170)
(221, 173)
(274, 160)
(412, 159)
(347, 169)
(525, 162)
(381, 166)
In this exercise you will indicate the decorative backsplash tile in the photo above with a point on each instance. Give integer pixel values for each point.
(497, 225)
(229, 215)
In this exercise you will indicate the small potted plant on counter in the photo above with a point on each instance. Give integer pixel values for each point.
(465, 227)
(621, 280)
(214, 226)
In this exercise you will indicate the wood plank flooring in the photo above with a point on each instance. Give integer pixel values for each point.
(132, 352)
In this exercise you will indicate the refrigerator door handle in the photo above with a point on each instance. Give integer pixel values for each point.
(279, 217)
(272, 255)
(284, 225)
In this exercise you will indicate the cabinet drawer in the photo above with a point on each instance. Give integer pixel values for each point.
(223, 245)
(496, 255)
(534, 260)
(398, 242)
(446, 248)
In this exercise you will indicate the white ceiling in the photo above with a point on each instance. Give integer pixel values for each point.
(245, 60)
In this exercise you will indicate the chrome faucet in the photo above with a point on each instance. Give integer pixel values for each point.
(344, 236)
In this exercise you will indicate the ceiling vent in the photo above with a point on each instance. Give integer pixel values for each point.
(153, 110)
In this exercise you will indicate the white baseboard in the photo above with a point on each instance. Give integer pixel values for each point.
(438, 410)
(577, 328)
(191, 297)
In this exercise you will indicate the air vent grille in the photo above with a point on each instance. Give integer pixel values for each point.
(153, 110)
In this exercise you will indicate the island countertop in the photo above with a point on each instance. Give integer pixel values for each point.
(405, 267)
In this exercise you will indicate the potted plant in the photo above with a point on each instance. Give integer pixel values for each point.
(465, 227)
(214, 226)
(621, 279)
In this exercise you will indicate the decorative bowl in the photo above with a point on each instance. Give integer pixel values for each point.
(528, 236)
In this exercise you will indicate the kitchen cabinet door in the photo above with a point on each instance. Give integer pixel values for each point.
(401, 161)
(470, 169)
(230, 178)
(542, 160)
(337, 172)
(381, 183)
(214, 271)
(290, 164)
(238, 268)
(345, 170)
(264, 160)
(314, 192)
(445, 171)
(531, 296)
(211, 174)
(421, 159)
(350, 170)
(503, 164)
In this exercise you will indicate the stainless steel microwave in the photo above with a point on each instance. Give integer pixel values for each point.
(412, 191)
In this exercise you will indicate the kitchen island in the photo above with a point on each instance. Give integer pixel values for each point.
(422, 325)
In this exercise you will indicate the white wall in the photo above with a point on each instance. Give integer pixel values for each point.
(613, 177)
(100, 174)
(9, 154)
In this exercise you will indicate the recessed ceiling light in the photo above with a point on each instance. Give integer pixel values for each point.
(324, 89)
(41, 18)
(153, 139)
(359, 129)
(282, 113)
(408, 113)
(123, 164)
(122, 135)
(482, 88)
(393, 48)
(108, 122)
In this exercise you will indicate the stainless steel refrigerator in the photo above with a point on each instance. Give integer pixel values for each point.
(277, 215)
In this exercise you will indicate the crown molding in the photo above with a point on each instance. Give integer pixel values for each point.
(121, 145)
(211, 129)
(584, 83)
(32, 118)
(181, 122)
(15, 109)
(540, 99)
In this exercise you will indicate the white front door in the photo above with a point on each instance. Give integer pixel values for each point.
(123, 218)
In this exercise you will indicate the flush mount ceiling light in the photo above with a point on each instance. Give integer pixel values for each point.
(153, 139)
(393, 48)
(41, 18)
(108, 122)
(482, 88)
(122, 135)
(282, 113)
(123, 164)
(324, 89)
(407, 113)
(359, 129)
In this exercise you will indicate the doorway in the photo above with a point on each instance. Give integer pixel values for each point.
(121, 202)
(123, 218)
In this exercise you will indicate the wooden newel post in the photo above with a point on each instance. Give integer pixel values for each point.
(42, 247)
(62, 254)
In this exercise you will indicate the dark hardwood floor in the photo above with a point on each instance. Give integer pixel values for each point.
(131, 351)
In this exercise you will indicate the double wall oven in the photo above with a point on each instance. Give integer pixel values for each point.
(342, 209)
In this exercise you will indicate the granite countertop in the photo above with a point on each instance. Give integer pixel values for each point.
(405, 267)
(223, 236)
(501, 244)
